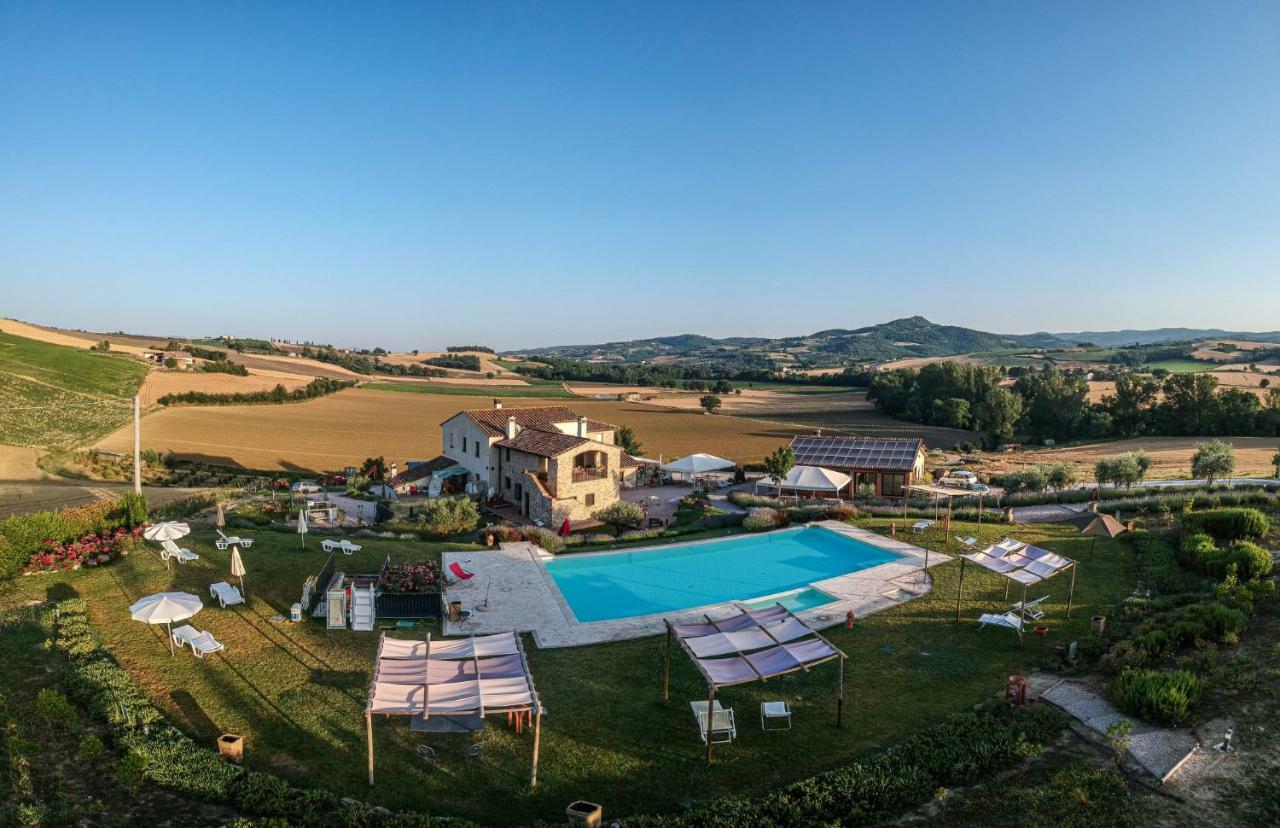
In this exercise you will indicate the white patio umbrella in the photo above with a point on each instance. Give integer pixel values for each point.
(237, 566)
(166, 530)
(302, 524)
(221, 520)
(165, 608)
(698, 464)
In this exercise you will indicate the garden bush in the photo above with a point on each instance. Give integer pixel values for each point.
(962, 750)
(1158, 563)
(1160, 697)
(444, 517)
(805, 514)
(544, 538)
(622, 515)
(761, 518)
(22, 536)
(747, 500)
(1228, 524)
(1251, 561)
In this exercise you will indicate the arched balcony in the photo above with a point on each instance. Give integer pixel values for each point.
(590, 465)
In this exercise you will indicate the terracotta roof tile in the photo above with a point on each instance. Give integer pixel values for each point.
(544, 443)
(542, 418)
(421, 470)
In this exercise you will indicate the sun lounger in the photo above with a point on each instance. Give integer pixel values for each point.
(921, 525)
(1033, 610)
(345, 545)
(201, 643)
(169, 549)
(224, 541)
(463, 576)
(1008, 620)
(722, 728)
(970, 541)
(225, 593)
(776, 711)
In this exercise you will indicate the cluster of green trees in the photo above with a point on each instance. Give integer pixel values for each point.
(484, 349)
(318, 387)
(693, 378)
(464, 362)
(1052, 404)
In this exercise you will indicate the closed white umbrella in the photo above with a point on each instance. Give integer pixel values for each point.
(166, 530)
(237, 566)
(302, 524)
(698, 464)
(165, 608)
(221, 520)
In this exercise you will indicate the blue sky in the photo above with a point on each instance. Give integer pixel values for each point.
(520, 174)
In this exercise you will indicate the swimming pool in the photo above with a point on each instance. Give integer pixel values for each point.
(609, 585)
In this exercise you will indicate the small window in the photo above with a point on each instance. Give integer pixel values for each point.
(508, 455)
(450, 439)
(590, 500)
(477, 448)
(464, 445)
(506, 483)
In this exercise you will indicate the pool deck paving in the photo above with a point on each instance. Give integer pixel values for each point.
(522, 596)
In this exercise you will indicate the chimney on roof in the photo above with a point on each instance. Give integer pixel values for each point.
(512, 428)
(582, 426)
(819, 433)
(497, 403)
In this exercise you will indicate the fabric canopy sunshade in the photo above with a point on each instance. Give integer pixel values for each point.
(472, 676)
(697, 464)
(815, 479)
(1020, 562)
(166, 530)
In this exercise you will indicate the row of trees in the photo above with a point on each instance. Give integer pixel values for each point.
(693, 378)
(1051, 404)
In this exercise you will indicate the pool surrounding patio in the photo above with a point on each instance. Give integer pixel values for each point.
(515, 587)
(605, 586)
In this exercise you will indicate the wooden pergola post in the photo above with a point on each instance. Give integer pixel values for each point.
(840, 695)
(537, 742)
(1072, 591)
(666, 665)
(368, 734)
(960, 585)
(711, 716)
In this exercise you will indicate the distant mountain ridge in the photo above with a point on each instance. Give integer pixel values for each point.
(910, 337)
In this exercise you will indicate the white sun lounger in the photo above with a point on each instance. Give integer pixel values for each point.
(169, 549)
(224, 541)
(921, 525)
(345, 545)
(225, 593)
(1008, 620)
(1033, 610)
(201, 643)
(722, 729)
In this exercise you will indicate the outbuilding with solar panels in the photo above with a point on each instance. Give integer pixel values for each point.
(878, 466)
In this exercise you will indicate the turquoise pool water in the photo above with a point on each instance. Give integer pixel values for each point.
(798, 601)
(667, 579)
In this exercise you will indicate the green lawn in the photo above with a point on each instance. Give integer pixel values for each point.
(297, 691)
(1181, 366)
(536, 389)
(54, 395)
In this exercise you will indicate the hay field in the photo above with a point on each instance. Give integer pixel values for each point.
(1171, 456)
(159, 383)
(70, 339)
(346, 427)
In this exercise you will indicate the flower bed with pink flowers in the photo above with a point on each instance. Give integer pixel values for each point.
(418, 576)
(91, 550)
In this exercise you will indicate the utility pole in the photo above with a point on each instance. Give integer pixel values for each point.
(137, 445)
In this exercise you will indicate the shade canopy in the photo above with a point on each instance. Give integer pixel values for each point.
(220, 519)
(815, 479)
(752, 646)
(1101, 526)
(166, 607)
(459, 677)
(237, 565)
(166, 530)
(1020, 562)
(698, 464)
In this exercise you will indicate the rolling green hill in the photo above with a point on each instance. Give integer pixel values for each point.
(53, 395)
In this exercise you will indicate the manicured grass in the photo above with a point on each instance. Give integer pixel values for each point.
(297, 691)
(56, 395)
(548, 390)
(1181, 366)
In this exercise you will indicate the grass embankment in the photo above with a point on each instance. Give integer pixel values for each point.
(297, 691)
(1181, 366)
(54, 395)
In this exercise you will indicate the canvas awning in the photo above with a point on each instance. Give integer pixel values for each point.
(1019, 563)
(754, 645)
(815, 479)
(464, 678)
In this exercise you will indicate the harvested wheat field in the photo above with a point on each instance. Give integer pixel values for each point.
(344, 428)
(158, 383)
(71, 339)
(1171, 456)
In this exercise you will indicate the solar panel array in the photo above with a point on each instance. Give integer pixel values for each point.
(856, 452)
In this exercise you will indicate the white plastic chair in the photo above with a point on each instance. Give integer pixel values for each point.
(778, 711)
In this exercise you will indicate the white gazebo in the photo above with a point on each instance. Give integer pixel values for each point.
(696, 464)
(812, 479)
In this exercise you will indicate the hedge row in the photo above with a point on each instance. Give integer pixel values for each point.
(966, 749)
(21, 536)
(318, 387)
(169, 758)
(1227, 524)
